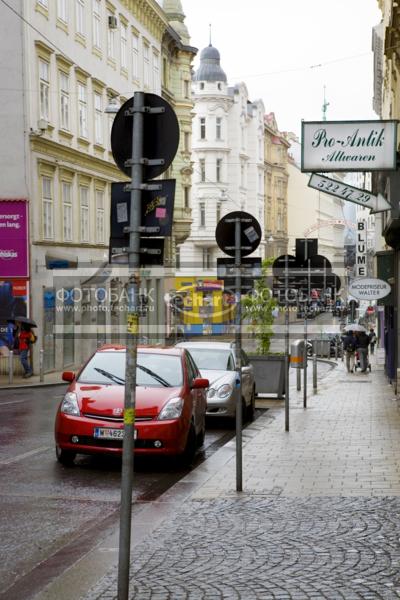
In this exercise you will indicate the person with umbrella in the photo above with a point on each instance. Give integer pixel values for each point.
(25, 337)
(362, 349)
(349, 347)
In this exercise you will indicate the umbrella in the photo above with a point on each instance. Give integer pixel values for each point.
(25, 320)
(354, 327)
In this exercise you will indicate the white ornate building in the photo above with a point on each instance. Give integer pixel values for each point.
(228, 161)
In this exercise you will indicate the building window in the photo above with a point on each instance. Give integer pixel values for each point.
(84, 212)
(146, 65)
(186, 88)
(96, 6)
(202, 163)
(64, 100)
(67, 211)
(202, 128)
(80, 16)
(156, 71)
(218, 128)
(165, 72)
(98, 118)
(135, 56)
(202, 86)
(186, 141)
(218, 169)
(48, 209)
(124, 46)
(218, 212)
(62, 10)
(100, 217)
(177, 257)
(44, 86)
(202, 211)
(110, 40)
(186, 196)
(206, 258)
(82, 110)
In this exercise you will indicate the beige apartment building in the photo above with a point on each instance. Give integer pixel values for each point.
(63, 61)
(276, 186)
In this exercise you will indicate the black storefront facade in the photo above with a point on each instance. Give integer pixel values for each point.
(388, 269)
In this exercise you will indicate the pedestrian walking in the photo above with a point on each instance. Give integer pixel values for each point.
(372, 339)
(362, 349)
(349, 347)
(25, 337)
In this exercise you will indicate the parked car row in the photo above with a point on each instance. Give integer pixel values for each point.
(176, 388)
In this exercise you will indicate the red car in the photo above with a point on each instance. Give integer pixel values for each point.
(170, 405)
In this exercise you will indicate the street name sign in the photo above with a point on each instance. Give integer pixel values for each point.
(348, 192)
(348, 146)
(369, 288)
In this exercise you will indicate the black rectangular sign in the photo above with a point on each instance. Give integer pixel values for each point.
(157, 209)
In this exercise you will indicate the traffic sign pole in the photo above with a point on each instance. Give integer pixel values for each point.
(238, 346)
(131, 348)
(144, 141)
(287, 396)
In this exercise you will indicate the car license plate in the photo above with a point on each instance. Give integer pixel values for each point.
(106, 433)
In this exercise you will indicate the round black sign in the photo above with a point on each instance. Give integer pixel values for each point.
(250, 233)
(160, 139)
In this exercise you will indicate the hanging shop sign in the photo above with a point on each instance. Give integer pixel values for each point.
(348, 192)
(369, 288)
(361, 249)
(348, 146)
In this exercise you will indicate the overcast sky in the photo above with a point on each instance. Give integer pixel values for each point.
(286, 51)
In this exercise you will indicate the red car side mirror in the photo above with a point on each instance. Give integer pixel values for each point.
(68, 376)
(200, 384)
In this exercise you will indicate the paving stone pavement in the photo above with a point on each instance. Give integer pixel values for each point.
(319, 517)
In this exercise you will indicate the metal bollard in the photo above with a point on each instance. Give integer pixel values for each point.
(314, 372)
(41, 365)
(298, 374)
(342, 351)
(336, 350)
(10, 367)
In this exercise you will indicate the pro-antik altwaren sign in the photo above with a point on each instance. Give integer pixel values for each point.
(348, 146)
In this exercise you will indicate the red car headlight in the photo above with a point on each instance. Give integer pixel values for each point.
(172, 410)
(69, 405)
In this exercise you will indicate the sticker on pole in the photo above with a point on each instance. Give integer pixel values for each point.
(369, 288)
(132, 323)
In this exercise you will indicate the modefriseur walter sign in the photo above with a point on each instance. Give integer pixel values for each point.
(348, 146)
(369, 288)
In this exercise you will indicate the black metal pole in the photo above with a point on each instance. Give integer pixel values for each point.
(306, 334)
(287, 395)
(238, 346)
(131, 347)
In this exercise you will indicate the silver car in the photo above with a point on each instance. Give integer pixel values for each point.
(216, 362)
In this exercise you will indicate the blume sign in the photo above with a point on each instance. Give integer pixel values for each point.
(348, 145)
(369, 288)
(13, 238)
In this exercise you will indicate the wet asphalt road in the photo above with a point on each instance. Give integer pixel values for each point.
(47, 510)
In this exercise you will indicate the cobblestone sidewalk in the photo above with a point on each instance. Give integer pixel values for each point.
(319, 517)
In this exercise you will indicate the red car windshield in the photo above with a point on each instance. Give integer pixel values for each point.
(153, 370)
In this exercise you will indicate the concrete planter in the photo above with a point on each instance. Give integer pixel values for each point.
(269, 374)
